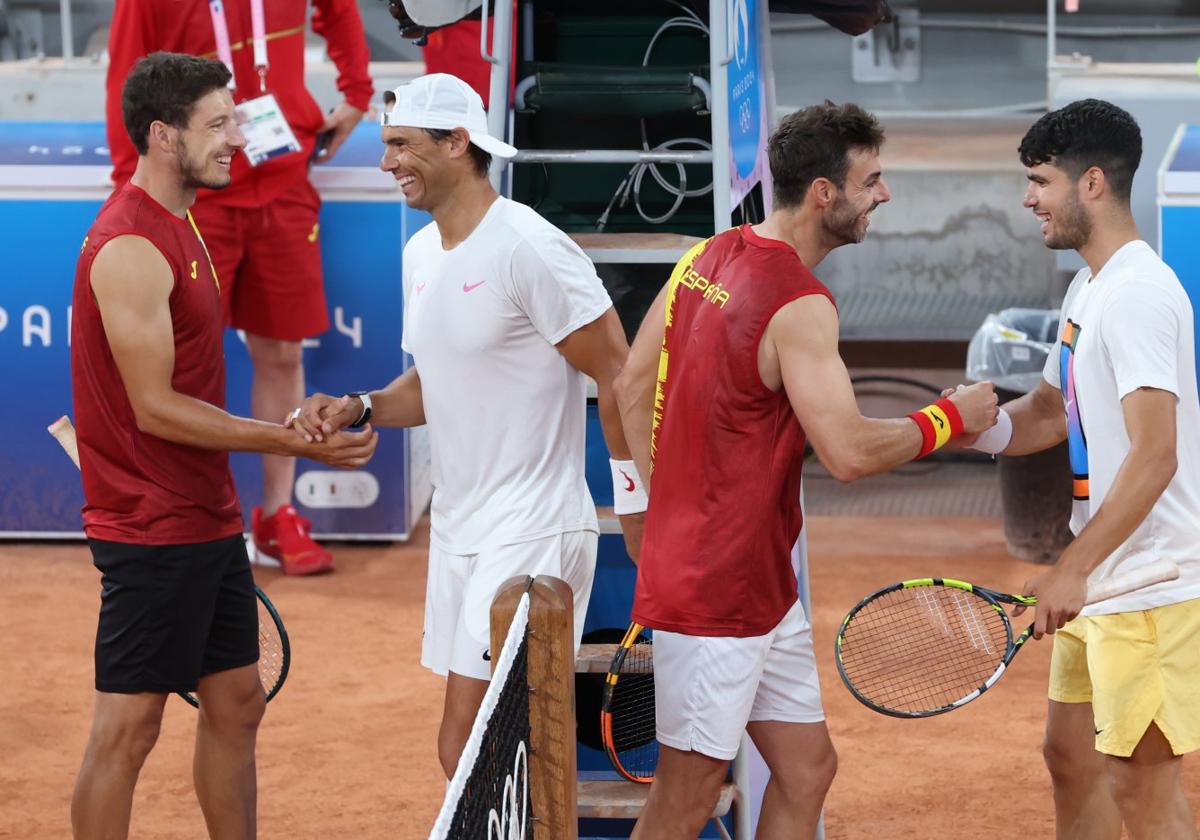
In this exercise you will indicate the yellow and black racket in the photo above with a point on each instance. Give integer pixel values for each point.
(627, 713)
(923, 647)
(274, 650)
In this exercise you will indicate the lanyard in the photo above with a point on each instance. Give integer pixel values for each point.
(259, 29)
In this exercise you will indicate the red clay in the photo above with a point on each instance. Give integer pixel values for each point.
(348, 748)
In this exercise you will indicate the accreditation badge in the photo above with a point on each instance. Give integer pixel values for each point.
(267, 133)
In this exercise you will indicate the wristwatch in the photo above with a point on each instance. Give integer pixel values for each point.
(365, 396)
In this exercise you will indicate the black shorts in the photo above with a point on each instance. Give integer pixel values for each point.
(171, 614)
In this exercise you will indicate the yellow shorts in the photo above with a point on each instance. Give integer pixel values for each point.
(1134, 668)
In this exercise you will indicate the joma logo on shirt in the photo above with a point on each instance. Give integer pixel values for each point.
(713, 292)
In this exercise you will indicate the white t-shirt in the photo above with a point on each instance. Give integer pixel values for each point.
(506, 411)
(1131, 327)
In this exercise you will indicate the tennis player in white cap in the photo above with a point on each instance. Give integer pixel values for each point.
(504, 315)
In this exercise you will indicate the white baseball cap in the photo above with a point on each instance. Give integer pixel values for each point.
(440, 100)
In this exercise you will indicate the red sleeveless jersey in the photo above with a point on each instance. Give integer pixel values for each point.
(727, 451)
(139, 488)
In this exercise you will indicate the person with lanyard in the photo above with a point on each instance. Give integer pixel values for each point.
(177, 606)
(505, 318)
(263, 230)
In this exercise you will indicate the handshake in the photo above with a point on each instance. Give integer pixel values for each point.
(985, 426)
(321, 422)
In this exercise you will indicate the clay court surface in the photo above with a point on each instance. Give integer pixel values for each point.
(348, 749)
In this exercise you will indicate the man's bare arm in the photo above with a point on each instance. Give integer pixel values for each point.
(803, 336)
(1039, 420)
(398, 405)
(1144, 474)
(638, 383)
(599, 350)
(131, 282)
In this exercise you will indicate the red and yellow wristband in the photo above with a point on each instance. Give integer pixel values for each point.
(939, 424)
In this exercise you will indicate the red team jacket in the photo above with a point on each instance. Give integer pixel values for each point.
(139, 488)
(140, 27)
(727, 451)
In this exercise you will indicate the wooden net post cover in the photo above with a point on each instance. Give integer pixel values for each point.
(552, 772)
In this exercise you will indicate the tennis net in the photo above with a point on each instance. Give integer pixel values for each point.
(489, 796)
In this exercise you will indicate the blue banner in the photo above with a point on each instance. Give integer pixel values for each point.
(363, 236)
(750, 92)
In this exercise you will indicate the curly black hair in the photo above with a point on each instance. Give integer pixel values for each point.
(1087, 133)
(816, 143)
(165, 87)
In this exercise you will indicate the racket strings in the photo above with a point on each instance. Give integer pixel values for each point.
(633, 737)
(270, 650)
(923, 648)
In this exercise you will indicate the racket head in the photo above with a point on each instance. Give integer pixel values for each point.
(274, 650)
(922, 647)
(627, 719)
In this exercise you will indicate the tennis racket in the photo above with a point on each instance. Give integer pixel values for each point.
(627, 713)
(923, 647)
(274, 650)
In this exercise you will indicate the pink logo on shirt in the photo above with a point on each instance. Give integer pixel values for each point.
(420, 288)
(470, 286)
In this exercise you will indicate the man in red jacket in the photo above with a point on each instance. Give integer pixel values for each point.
(262, 230)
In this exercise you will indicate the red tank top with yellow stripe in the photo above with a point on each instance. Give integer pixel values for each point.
(140, 488)
(727, 451)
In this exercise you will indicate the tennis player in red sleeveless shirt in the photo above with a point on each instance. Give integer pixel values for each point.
(735, 365)
(177, 609)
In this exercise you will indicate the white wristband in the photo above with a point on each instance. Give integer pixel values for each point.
(996, 439)
(629, 494)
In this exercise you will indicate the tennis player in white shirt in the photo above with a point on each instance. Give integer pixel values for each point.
(1120, 388)
(505, 318)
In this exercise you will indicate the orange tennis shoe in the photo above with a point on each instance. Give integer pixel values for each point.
(284, 536)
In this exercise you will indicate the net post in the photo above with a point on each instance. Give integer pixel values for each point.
(504, 606)
(552, 766)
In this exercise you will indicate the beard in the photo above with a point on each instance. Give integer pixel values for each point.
(195, 171)
(1072, 227)
(843, 222)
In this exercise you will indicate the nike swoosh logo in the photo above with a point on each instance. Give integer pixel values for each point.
(470, 286)
(487, 656)
(628, 487)
(193, 269)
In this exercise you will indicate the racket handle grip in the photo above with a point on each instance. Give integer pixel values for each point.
(64, 433)
(1156, 572)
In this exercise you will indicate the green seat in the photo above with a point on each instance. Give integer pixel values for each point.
(592, 90)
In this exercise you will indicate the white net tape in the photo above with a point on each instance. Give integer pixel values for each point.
(506, 819)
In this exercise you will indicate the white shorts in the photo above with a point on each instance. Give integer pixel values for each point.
(707, 688)
(460, 589)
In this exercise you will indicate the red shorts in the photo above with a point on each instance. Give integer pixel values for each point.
(268, 260)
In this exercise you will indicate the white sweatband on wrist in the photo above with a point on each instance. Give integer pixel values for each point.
(996, 439)
(629, 494)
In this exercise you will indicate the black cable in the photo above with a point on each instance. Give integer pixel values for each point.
(888, 379)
